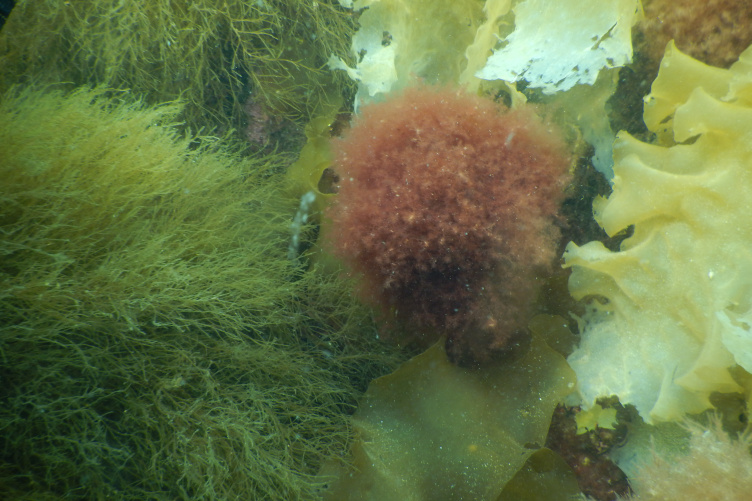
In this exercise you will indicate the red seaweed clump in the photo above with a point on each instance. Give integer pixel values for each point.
(713, 31)
(446, 208)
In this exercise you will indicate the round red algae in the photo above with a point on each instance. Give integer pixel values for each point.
(446, 209)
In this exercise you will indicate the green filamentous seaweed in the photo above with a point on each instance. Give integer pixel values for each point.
(155, 340)
(219, 56)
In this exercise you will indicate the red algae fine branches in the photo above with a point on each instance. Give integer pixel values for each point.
(446, 209)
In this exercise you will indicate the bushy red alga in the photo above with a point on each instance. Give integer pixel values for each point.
(446, 208)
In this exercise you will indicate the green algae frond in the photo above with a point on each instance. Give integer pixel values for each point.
(214, 54)
(155, 341)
